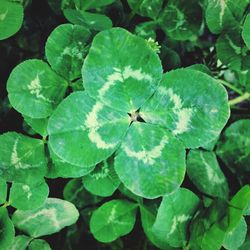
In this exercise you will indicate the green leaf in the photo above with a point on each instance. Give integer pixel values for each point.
(66, 49)
(191, 104)
(103, 180)
(28, 196)
(20, 242)
(204, 171)
(200, 67)
(75, 192)
(231, 50)
(155, 161)
(38, 125)
(148, 216)
(33, 84)
(11, 18)
(84, 132)
(234, 146)
(7, 231)
(132, 70)
(93, 4)
(89, 20)
(209, 227)
(3, 190)
(245, 31)
(235, 238)
(219, 16)
(148, 8)
(39, 245)
(60, 168)
(51, 217)
(174, 215)
(112, 220)
(22, 159)
(146, 30)
(237, 206)
(181, 20)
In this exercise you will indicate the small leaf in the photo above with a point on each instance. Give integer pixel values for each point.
(234, 146)
(181, 20)
(38, 244)
(38, 125)
(51, 217)
(113, 220)
(237, 206)
(235, 238)
(34, 89)
(7, 231)
(154, 161)
(132, 70)
(93, 4)
(22, 159)
(20, 242)
(103, 180)
(148, 8)
(75, 193)
(174, 215)
(28, 196)
(204, 171)
(89, 20)
(11, 18)
(66, 49)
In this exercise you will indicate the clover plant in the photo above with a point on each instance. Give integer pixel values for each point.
(132, 125)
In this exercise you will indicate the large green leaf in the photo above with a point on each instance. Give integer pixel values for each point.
(181, 20)
(121, 70)
(28, 196)
(103, 180)
(34, 89)
(93, 4)
(245, 31)
(66, 48)
(234, 146)
(11, 18)
(50, 218)
(22, 159)
(148, 8)
(231, 50)
(174, 215)
(191, 104)
(75, 192)
(150, 162)
(84, 132)
(235, 238)
(3, 190)
(204, 171)
(7, 231)
(113, 220)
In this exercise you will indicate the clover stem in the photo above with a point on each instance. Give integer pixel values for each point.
(239, 99)
(230, 86)
(6, 204)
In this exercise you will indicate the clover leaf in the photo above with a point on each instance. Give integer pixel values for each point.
(49, 218)
(11, 18)
(88, 127)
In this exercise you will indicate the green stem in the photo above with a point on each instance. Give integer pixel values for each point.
(231, 86)
(239, 99)
(6, 204)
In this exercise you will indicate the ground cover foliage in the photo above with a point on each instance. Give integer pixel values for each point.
(124, 124)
